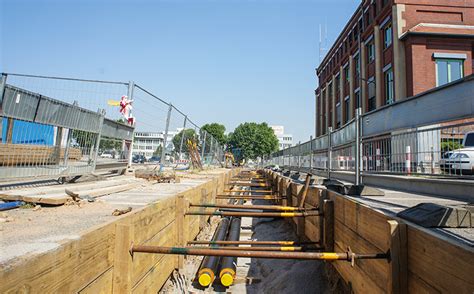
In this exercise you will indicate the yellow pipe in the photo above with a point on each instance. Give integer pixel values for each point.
(206, 277)
(227, 276)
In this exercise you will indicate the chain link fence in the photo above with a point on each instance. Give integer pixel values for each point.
(431, 134)
(62, 127)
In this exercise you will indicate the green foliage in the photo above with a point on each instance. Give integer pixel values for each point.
(254, 140)
(158, 151)
(217, 131)
(110, 144)
(188, 134)
(450, 145)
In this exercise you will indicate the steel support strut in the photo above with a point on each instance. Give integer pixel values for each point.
(328, 256)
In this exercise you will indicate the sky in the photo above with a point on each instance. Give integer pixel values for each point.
(228, 61)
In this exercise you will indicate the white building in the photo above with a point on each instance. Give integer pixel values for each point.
(284, 140)
(146, 143)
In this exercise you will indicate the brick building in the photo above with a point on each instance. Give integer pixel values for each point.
(390, 50)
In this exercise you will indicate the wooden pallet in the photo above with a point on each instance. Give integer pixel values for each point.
(27, 154)
(56, 195)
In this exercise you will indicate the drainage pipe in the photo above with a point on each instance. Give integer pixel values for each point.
(228, 263)
(208, 270)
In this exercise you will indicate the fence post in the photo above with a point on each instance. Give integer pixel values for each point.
(358, 151)
(408, 159)
(68, 140)
(203, 147)
(3, 82)
(299, 155)
(182, 136)
(99, 133)
(211, 155)
(329, 152)
(131, 87)
(165, 136)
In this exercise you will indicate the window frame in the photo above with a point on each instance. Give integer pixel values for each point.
(347, 105)
(371, 51)
(388, 86)
(448, 61)
(385, 29)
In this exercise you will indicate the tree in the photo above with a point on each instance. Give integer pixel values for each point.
(188, 134)
(158, 151)
(217, 131)
(253, 140)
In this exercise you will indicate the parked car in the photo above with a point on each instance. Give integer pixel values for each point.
(154, 159)
(107, 154)
(138, 158)
(460, 160)
(443, 162)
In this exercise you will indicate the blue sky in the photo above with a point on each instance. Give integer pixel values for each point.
(226, 61)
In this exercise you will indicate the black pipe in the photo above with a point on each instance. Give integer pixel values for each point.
(207, 271)
(228, 264)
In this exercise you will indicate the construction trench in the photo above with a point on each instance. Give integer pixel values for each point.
(243, 231)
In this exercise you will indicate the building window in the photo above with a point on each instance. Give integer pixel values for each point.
(346, 74)
(448, 70)
(371, 51)
(357, 99)
(338, 115)
(357, 66)
(371, 101)
(387, 36)
(388, 80)
(346, 108)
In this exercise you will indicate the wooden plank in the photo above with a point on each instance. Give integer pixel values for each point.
(304, 192)
(328, 231)
(154, 218)
(360, 282)
(418, 286)
(314, 193)
(365, 221)
(58, 196)
(444, 265)
(311, 232)
(156, 276)
(101, 285)
(397, 282)
(23, 154)
(204, 199)
(122, 275)
(181, 238)
(66, 269)
(377, 270)
(312, 219)
(142, 262)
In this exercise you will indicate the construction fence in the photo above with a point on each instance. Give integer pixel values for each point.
(431, 134)
(55, 127)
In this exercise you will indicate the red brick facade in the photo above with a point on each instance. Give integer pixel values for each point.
(421, 30)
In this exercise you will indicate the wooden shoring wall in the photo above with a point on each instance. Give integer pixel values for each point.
(421, 261)
(99, 261)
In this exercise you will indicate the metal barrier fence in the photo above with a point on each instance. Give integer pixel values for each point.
(429, 134)
(61, 127)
